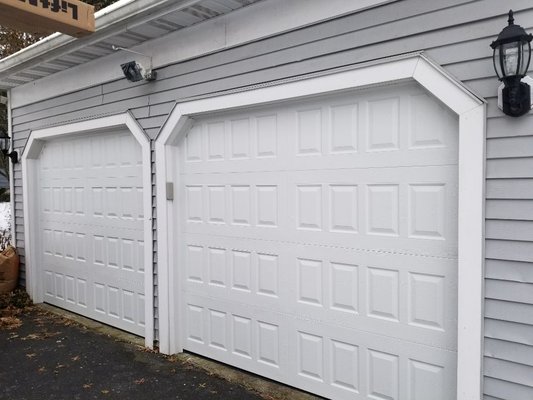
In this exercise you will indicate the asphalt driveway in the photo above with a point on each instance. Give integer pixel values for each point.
(45, 356)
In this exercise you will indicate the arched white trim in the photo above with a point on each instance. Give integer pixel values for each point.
(471, 112)
(29, 159)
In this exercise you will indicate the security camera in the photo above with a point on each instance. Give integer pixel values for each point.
(135, 72)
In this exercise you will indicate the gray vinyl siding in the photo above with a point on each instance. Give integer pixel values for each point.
(456, 34)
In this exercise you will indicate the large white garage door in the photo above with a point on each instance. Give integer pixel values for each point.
(319, 243)
(91, 228)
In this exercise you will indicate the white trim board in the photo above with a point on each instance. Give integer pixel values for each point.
(30, 157)
(471, 112)
(257, 21)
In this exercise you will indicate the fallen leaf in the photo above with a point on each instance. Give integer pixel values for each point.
(105, 391)
(87, 385)
(76, 358)
(42, 369)
(140, 381)
(31, 355)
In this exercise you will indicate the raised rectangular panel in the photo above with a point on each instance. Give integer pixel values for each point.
(140, 209)
(193, 144)
(58, 243)
(343, 208)
(49, 284)
(67, 200)
(195, 263)
(79, 201)
(60, 286)
(217, 267)
(70, 248)
(128, 202)
(99, 298)
(240, 139)
(141, 308)
(113, 259)
(344, 287)
(267, 136)
(98, 250)
(80, 154)
(426, 381)
(128, 306)
(98, 201)
(309, 132)
(128, 254)
(57, 200)
(48, 241)
(383, 124)
(427, 211)
(215, 141)
(268, 344)
(195, 323)
(309, 281)
(267, 206)
(382, 213)
(112, 202)
(70, 286)
(309, 207)
(242, 336)
(383, 293)
(267, 275)
(345, 366)
(81, 285)
(46, 200)
(240, 198)
(217, 329)
(344, 129)
(194, 203)
(113, 302)
(427, 300)
(140, 258)
(383, 376)
(242, 270)
(429, 123)
(310, 356)
(217, 204)
(81, 254)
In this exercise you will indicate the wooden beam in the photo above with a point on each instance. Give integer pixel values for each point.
(72, 17)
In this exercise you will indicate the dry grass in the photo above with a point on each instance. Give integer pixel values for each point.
(11, 306)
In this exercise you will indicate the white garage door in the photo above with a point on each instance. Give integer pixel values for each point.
(91, 227)
(320, 243)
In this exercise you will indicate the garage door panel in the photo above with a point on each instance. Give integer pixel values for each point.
(91, 224)
(331, 221)
(369, 291)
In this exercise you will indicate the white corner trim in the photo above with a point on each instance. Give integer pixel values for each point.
(471, 112)
(254, 22)
(29, 159)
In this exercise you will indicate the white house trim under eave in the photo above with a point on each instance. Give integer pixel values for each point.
(29, 159)
(471, 112)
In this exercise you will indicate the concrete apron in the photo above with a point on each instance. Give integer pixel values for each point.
(264, 387)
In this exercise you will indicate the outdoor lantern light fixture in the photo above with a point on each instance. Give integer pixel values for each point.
(133, 70)
(4, 146)
(512, 53)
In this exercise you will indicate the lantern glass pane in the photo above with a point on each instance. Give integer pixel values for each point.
(497, 62)
(526, 56)
(4, 143)
(511, 57)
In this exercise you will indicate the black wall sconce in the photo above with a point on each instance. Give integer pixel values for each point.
(4, 146)
(512, 54)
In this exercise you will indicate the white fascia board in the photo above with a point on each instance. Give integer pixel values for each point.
(471, 110)
(109, 21)
(258, 21)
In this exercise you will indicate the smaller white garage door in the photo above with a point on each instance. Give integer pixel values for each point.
(91, 228)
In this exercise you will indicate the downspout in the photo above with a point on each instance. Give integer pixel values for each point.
(11, 171)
